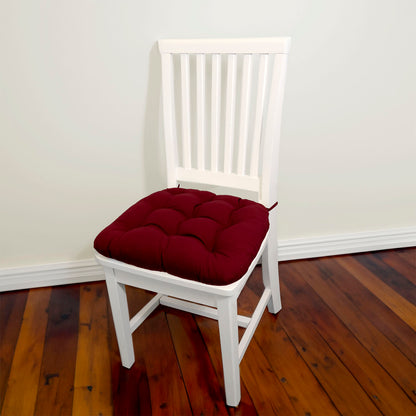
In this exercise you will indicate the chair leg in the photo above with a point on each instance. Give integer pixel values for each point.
(120, 311)
(270, 268)
(227, 322)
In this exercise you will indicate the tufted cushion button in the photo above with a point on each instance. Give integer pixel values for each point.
(192, 234)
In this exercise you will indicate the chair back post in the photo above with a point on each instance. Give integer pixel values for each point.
(270, 151)
(168, 119)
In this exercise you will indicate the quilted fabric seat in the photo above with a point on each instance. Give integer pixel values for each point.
(192, 234)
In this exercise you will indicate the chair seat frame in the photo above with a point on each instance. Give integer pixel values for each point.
(211, 301)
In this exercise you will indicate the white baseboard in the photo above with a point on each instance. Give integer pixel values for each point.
(50, 275)
(303, 248)
(299, 248)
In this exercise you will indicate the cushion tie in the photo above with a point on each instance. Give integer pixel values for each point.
(273, 206)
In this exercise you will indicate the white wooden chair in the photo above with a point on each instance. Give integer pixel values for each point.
(222, 103)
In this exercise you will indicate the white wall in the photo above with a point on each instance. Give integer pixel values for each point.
(79, 124)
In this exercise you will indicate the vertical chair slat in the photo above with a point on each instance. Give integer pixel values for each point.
(215, 109)
(230, 112)
(244, 113)
(186, 111)
(168, 117)
(258, 117)
(200, 108)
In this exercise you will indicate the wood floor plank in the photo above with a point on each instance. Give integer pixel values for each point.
(380, 347)
(267, 392)
(12, 307)
(382, 389)
(325, 365)
(210, 333)
(393, 259)
(389, 276)
(408, 255)
(303, 389)
(167, 390)
(196, 367)
(130, 386)
(25, 369)
(56, 383)
(92, 383)
(370, 306)
(305, 392)
(251, 293)
(400, 306)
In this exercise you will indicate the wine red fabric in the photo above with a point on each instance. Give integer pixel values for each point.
(192, 234)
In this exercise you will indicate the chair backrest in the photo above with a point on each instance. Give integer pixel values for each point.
(222, 103)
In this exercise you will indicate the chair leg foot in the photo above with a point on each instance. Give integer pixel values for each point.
(227, 322)
(120, 312)
(275, 304)
(273, 308)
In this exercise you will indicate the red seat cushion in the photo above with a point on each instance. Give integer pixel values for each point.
(189, 233)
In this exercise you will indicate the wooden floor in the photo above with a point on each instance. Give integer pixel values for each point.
(344, 343)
